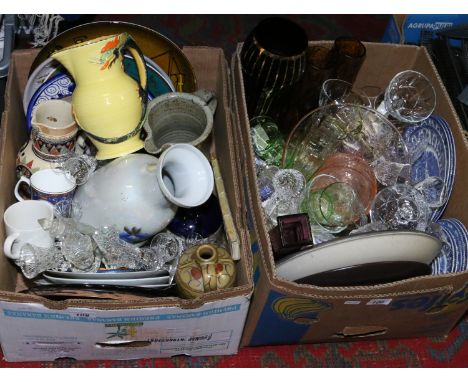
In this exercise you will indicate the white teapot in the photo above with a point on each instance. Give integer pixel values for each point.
(139, 193)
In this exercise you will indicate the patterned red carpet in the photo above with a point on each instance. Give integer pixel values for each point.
(421, 352)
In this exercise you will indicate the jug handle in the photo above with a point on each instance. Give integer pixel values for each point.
(208, 97)
(139, 60)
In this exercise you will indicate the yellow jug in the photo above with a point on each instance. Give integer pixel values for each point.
(107, 103)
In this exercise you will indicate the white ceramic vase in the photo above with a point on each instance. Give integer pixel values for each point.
(139, 193)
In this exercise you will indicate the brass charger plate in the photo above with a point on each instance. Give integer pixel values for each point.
(153, 45)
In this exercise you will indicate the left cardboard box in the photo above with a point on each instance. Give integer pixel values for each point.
(34, 328)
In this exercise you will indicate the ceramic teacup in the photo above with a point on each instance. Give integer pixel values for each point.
(179, 118)
(21, 226)
(52, 185)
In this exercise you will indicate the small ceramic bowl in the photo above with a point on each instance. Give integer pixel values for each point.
(203, 220)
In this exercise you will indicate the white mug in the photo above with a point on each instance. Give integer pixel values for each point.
(21, 226)
(52, 185)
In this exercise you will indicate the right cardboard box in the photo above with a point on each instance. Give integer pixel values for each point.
(285, 312)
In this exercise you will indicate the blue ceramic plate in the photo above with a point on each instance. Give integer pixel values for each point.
(454, 255)
(41, 74)
(61, 85)
(438, 159)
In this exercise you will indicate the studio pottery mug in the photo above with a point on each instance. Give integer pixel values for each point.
(179, 118)
(108, 104)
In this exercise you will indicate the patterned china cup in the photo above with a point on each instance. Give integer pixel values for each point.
(52, 185)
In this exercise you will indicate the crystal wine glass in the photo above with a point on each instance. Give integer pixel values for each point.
(409, 97)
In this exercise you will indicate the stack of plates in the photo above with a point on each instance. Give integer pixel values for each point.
(362, 259)
(454, 254)
(143, 279)
(438, 159)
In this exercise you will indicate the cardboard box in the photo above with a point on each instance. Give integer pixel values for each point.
(408, 29)
(283, 312)
(34, 328)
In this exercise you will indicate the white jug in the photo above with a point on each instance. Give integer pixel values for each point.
(139, 193)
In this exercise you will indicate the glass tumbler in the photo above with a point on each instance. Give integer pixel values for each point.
(348, 55)
(305, 96)
(336, 91)
(288, 185)
(267, 140)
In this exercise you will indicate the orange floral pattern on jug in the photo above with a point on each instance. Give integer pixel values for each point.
(111, 51)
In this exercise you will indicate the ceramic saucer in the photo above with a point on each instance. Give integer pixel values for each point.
(438, 158)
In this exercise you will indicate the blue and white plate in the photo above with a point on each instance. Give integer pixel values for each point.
(61, 85)
(438, 158)
(454, 254)
(40, 75)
